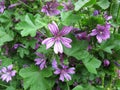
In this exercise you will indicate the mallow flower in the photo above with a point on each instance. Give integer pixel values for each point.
(64, 71)
(58, 38)
(68, 6)
(50, 9)
(41, 61)
(2, 6)
(7, 73)
(101, 32)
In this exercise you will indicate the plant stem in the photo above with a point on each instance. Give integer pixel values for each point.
(25, 5)
(3, 85)
(68, 88)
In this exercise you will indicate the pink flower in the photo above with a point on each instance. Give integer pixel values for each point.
(58, 38)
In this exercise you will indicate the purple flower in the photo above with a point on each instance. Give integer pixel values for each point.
(17, 45)
(2, 6)
(14, 5)
(50, 8)
(7, 73)
(82, 36)
(58, 38)
(118, 73)
(41, 62)
(107, 17)
(68, 6)
(106, 62)
(64, 71)
(89, 47)
(96, 12)
(101, 32)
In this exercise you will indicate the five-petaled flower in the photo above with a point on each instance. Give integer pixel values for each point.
(58, 38)
(50, 8)
(101, 32)
(7, 73)
(64, 71)
(41, 61)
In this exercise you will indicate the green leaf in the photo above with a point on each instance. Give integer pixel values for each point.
(10, 88)
(91, 2)
(78, 88)
(104, 4)
(36, 79)
(114, 8)
(22, 52)
(80, 3)
(30, 25)
(5, 61)
(69, 18)
(78, 51)
(4, 37)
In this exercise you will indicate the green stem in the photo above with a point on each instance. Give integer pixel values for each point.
(25, 5)
(68, 86)
(3, 85)
(103, 81)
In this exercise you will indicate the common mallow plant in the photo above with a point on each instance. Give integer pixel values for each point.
(58, 38)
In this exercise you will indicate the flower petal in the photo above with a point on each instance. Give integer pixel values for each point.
(54, 64)
(66, 30)
(93, 33)
(66, 41)
(99, 38)
(57, 71)
(61, 77)
(71, 70)
(46, 40)
(67, 76)
(53, 28)
(58, 47)
(10, 67)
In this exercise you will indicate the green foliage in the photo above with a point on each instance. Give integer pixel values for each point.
(104, 4)
(78, 88)
(4, 37)
(78, 51)
(69, 18)
(36, 79)
(30, 25)
(80, 3)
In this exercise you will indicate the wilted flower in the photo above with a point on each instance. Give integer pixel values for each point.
(58, 38)
(68, 6)
(41, 61)
(89, 47)
(101, 32)
(50, 8)
(2, 6)
(96, 12)
(117, 64)
(64, 71)
(106, 62)
(82, 36)
(118, 73)
(7, 73)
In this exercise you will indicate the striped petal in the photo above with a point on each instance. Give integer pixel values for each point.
(53, 28)
(66, 41)
(58, 47)
(66, 30)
